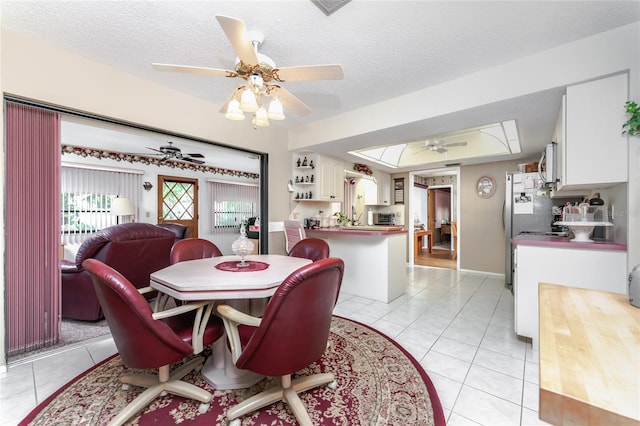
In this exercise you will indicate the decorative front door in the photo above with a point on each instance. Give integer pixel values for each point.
(178, 202)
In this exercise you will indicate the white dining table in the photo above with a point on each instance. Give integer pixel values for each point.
(198, 280)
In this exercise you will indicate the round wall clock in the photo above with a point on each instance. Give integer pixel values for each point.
(486, 186)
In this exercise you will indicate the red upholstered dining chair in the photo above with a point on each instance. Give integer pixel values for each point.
(153, 340)
(193, 248)
(292, 333)
(311, 248)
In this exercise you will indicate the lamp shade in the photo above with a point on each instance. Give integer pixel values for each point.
(122, 206)
(275, 110)
(233, 111)
(260, 118)
(248, 101)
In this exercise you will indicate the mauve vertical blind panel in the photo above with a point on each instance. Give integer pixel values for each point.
(32, 228)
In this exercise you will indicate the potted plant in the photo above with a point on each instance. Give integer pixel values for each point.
(632, 125)
(342, 219)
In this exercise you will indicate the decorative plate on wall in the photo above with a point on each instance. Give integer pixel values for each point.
(486, 186)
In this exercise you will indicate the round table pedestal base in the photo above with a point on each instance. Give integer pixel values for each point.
(221, 373)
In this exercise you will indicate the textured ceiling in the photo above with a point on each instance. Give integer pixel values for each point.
(387, 48)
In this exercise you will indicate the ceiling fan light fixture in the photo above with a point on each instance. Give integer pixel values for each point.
(233, 111)
(260, 118)
(248, 102)
(275, 110)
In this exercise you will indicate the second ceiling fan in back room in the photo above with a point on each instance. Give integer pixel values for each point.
(172, 152)
(261, 77)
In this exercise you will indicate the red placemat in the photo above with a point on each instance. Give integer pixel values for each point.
(232, 266)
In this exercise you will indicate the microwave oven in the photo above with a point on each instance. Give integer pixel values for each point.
(384, 219)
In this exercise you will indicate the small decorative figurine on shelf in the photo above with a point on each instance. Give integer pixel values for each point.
(298, 162)
(311, 164)
(311, 178)
(304, 162)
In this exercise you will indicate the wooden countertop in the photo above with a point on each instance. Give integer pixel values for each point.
(553, 241)
(589, 357)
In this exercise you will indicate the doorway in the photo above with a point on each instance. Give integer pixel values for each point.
(178, 202)
(434, 205)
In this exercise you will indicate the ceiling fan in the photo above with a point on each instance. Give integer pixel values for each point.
(261, 76)
(173, 152)
(439, 145)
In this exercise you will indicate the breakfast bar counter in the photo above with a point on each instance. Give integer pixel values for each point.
(589, 357)
(374, 259)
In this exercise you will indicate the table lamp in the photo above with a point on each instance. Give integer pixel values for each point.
(122, 206)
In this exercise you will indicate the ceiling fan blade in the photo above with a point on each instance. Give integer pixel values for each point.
(194, 155)
(442, 150)
(290, 101)
(455, 144)
(145, 154)
(193, 70)
(156, 150)
(309, 72)
(191, 160)
(236, 32)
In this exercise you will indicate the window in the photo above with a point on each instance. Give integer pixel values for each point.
(85, 198)
(85, 213)
(232, 204)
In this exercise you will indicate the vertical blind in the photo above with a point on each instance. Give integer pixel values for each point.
(32, 231)
(86, 199)
(232, 204)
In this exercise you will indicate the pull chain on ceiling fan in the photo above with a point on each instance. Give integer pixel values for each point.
(259, 72)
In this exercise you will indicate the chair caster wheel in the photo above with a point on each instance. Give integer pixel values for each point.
(235, 422)
(333, 385)
(125, 387)
(203, 408)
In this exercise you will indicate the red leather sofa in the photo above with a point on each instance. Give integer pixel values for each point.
(133, 249)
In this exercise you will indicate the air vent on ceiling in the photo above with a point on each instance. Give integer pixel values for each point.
(329, 6)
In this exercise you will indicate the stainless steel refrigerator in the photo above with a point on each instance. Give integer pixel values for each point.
(527, 209)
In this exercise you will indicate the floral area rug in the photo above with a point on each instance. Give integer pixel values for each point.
(379, 383)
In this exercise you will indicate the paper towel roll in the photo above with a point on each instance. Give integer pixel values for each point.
(369, 218)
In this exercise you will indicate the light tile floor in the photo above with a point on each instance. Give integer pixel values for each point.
(458, 325)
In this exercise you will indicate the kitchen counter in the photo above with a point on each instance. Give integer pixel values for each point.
(557, 260)
(565, 242)
(374, 259)
(363, 230)
(589, 357)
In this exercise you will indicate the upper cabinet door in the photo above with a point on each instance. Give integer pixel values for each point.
(595, 151)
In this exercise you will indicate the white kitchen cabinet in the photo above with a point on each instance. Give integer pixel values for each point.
(383, 181)
(330, 179)
(592, 151)
(583, 268)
